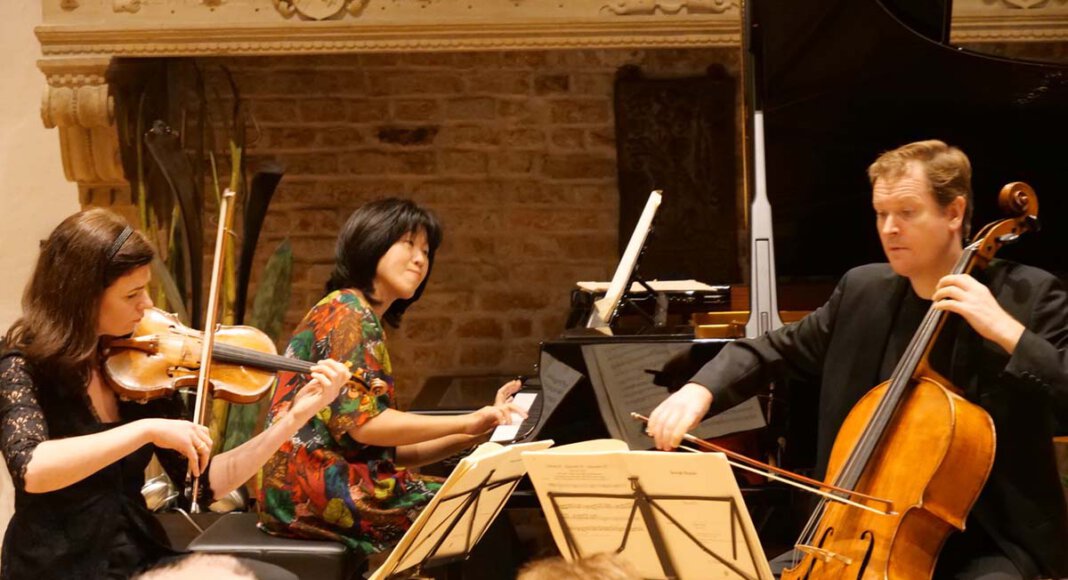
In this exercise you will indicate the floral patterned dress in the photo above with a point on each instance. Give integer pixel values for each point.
(322, 483)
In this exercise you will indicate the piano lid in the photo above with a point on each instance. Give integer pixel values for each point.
(845, 80)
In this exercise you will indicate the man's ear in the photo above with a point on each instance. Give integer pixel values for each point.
(955, 212)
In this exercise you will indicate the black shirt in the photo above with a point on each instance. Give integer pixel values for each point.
(98, 527)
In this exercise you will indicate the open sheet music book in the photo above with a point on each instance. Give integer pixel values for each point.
(461, 511)
(623, 383)
(668, 514)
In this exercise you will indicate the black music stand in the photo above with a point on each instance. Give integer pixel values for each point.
(461, 503)
(674, 516)
(644, 504)
(457, 518)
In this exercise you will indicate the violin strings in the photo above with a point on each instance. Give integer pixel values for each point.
(262, 360)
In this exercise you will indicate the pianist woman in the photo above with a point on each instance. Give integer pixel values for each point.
(345, 476)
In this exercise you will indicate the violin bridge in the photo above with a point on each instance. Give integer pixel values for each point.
(824, 555)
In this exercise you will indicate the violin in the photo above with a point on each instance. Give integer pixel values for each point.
(915, 441)
(163, 355)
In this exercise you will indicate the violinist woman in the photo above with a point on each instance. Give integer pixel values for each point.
(1007, 350)
(77, 453)
(344, 475)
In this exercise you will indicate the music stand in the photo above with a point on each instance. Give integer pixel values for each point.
(671, 515)
(458, 516)
(604, 311)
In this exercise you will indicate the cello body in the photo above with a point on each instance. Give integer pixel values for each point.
(932, 462)
(914, 441)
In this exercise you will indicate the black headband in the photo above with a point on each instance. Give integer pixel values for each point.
(119, 241)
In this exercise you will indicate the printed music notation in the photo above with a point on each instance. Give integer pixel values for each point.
(623, 383)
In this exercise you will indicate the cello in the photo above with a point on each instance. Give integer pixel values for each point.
(915, 441)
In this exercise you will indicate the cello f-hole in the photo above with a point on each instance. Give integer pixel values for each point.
(866, 535)
(823, 540)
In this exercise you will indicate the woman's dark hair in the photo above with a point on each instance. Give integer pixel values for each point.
(61, 304)
(367, 235)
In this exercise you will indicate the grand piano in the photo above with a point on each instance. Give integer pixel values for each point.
(841, 81)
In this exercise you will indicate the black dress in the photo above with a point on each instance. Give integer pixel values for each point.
(98, 527)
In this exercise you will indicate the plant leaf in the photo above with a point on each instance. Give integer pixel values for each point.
(268, 313)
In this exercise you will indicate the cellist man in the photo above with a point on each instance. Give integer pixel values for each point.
(1007, 350)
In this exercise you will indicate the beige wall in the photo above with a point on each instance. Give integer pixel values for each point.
(34, 195)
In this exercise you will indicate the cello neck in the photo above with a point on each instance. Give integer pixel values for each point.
(913, 364)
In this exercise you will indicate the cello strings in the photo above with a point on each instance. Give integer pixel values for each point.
(861, 453)
(900, 380)
(800, 486)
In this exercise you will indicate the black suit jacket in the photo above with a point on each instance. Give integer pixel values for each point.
(841, 345)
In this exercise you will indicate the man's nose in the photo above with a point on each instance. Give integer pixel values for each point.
(889, 225)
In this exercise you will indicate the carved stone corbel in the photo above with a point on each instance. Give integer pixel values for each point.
(77, 102)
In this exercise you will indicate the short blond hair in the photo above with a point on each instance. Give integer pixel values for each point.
(604, 566)
(947, 169)
(198, 566)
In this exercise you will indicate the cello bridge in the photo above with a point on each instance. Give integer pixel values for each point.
(824, 555)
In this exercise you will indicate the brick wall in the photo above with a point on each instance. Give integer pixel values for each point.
(515, 152)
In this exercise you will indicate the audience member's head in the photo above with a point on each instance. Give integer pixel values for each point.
(605, 566)
(199, 567)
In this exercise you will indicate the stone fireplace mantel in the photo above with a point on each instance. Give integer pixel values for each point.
(80, 39)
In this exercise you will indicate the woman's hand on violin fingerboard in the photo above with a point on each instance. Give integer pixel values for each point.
(328, 376)
(191, 440)
(677, 415)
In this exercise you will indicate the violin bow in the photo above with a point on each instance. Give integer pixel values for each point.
(226, 215)
(788, 477)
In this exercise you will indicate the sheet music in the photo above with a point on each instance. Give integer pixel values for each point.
(718, 520)
(557, 380)
(605, 307)
(622, 384)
